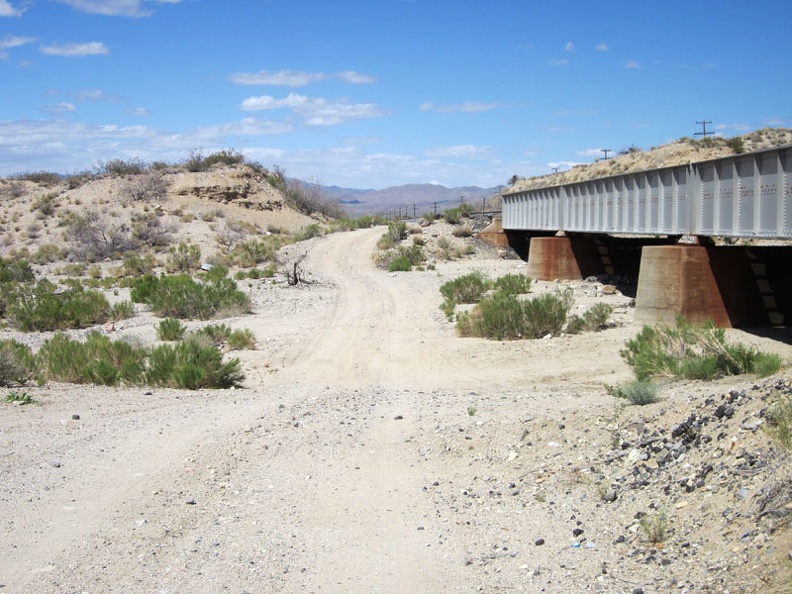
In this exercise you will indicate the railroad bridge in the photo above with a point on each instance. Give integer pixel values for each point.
(705, 240)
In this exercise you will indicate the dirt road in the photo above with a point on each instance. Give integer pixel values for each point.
(371, 450)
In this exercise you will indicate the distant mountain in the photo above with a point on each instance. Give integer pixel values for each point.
(411, 198)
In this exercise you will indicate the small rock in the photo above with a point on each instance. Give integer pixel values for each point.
(75, 417)
(611, 495)
(190, 501)
(540, 541)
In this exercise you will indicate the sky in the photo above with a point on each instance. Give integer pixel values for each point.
(377, 93)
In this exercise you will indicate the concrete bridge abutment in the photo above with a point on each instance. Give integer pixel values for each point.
(734, 286)
(563, 258)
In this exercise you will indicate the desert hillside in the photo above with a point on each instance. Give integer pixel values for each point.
(680, 152)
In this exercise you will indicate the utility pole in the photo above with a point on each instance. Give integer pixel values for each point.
(704, 132)
(606, 151)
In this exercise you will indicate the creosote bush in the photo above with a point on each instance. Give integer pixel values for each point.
(39, 308)
(17, 363)
(180, 296)
(191, 364)
(694, 352)
(469, 288)
(170, 329)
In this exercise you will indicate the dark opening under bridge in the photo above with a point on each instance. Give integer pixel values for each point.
(673, 228)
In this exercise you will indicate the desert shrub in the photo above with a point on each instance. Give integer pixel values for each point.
(462, 231)
(151, 230)
(41, 308)
(636, 392)
(145, 187)
(98, 360)
(249, 253)
(513, 284)
(18, 271)
(418, 240)
(547, 314)
(183, 258)
(196, 161)
(47, 178)
(412, 255)
(215, 334)
(122, 310)
(170, 329)
(400, 263)
(47, 253)
(91, 236)
(737, 144)
(121, 167)
(179, 296)
(498, 316)
(17, 363)
(502, 316)
(136, 265)
(694, 352)
(44, 204)
(429, 217)
(397, 230)
(469, 288)
(241, 339)
(309, 232)
(192, 364)
(593, 319)
(452, 216)
(779, 423)
(309, 198)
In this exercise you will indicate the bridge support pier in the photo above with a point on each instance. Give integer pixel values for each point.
(564, 258)
(699, 283)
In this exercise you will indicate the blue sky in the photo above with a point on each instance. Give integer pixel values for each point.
(375, 93)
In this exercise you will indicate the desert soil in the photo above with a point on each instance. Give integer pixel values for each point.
(373, 450)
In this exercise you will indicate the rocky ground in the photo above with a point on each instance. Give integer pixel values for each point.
(373, 450)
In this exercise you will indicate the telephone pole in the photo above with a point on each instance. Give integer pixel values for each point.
(704, 132)
(606, 151)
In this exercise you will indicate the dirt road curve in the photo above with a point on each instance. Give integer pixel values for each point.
(371, 450)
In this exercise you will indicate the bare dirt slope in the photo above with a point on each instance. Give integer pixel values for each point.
(373, 450)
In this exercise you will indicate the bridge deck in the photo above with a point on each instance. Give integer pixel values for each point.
(746, 195)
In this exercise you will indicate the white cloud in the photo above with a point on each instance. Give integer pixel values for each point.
(592, 152)
(245, 127)
(7, 10)
(10, 41)
(98, 96)
(465, 107)
(563, 164)
(631, 65)
(569, 47)
(297, 78)
(60, 108)
(140, 112)
(130, 8)
(75, 50)
(467, 151)
(601, 47)
(558, 62)
(315, 111)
